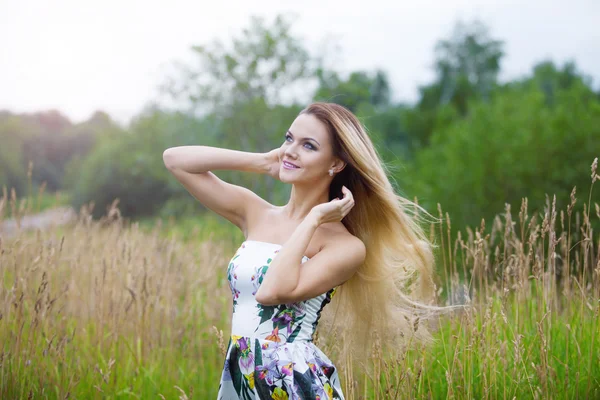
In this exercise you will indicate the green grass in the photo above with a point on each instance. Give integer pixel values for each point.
(490, 355)
(477, 350)
(106, 310)
(199, 228)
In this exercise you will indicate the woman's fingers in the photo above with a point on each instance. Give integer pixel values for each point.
(346, 203)
(347, 209)
(348, 195)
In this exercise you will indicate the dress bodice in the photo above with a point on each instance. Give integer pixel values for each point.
(279, 323)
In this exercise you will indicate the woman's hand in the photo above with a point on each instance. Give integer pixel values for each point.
(273, 163)
(335, 210)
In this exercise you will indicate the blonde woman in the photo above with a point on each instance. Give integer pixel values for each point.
(343, 237)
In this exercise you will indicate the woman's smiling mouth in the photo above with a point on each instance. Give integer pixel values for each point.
(288, 165)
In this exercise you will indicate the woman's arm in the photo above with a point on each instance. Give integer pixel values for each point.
(290, 281)
(199, 159)
(191, 166)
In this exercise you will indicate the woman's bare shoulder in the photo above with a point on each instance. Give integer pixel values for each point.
(336, 232)
(259, 212)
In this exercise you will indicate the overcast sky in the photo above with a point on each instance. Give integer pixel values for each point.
(81, 56)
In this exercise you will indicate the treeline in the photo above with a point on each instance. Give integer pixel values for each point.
(470, 142)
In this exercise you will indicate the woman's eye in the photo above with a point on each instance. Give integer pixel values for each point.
(311, 147)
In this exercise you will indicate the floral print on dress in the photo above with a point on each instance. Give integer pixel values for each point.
(232, 278)
(270, 354)
(287, 318)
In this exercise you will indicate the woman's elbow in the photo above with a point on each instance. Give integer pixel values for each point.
(168, 157)
(267, 299)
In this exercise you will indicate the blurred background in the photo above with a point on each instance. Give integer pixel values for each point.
(472, 104)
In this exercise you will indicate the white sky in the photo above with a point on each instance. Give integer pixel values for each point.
(81, 56)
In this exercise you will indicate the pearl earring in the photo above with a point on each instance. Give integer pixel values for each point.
(331, 172)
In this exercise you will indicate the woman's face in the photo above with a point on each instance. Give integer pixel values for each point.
(306, 145)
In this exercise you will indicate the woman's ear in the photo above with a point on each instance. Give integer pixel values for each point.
(339, 166)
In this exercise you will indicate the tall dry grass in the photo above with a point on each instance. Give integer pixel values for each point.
(99, 308)
(105, 309)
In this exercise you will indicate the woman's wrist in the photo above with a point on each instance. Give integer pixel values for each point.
(266, 163)
(257, 163)
(313, 219)
(272, 163)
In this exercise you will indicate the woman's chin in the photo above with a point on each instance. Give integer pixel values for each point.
(288, 175)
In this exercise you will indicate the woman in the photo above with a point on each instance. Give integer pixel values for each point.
(344, 231)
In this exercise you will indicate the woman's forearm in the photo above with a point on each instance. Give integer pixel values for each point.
(199, 159)
(284, 270)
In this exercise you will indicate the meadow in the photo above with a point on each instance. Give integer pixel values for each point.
(113, 309)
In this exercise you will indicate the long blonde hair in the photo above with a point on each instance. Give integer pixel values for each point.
(392, 292)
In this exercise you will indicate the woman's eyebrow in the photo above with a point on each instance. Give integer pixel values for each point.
(308, 138)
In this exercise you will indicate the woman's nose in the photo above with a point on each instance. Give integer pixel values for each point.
(290, 152)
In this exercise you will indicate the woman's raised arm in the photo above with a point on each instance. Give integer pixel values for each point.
(198, 159)
(191, 165)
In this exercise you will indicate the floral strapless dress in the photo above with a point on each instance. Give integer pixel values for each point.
(270, 354)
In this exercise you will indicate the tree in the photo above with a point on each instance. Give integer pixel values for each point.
(261, 63)
(467, 64)
(360, 88)
(12, 136)
(515, 146)
(467, 67)
(551, 79)
(127, 164)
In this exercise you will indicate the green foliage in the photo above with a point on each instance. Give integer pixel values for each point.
(467, 66)
(516, 146)
(12, 169)
(129, 166)
(49, 142)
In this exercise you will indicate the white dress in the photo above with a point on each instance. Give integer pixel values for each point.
(271, 354)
